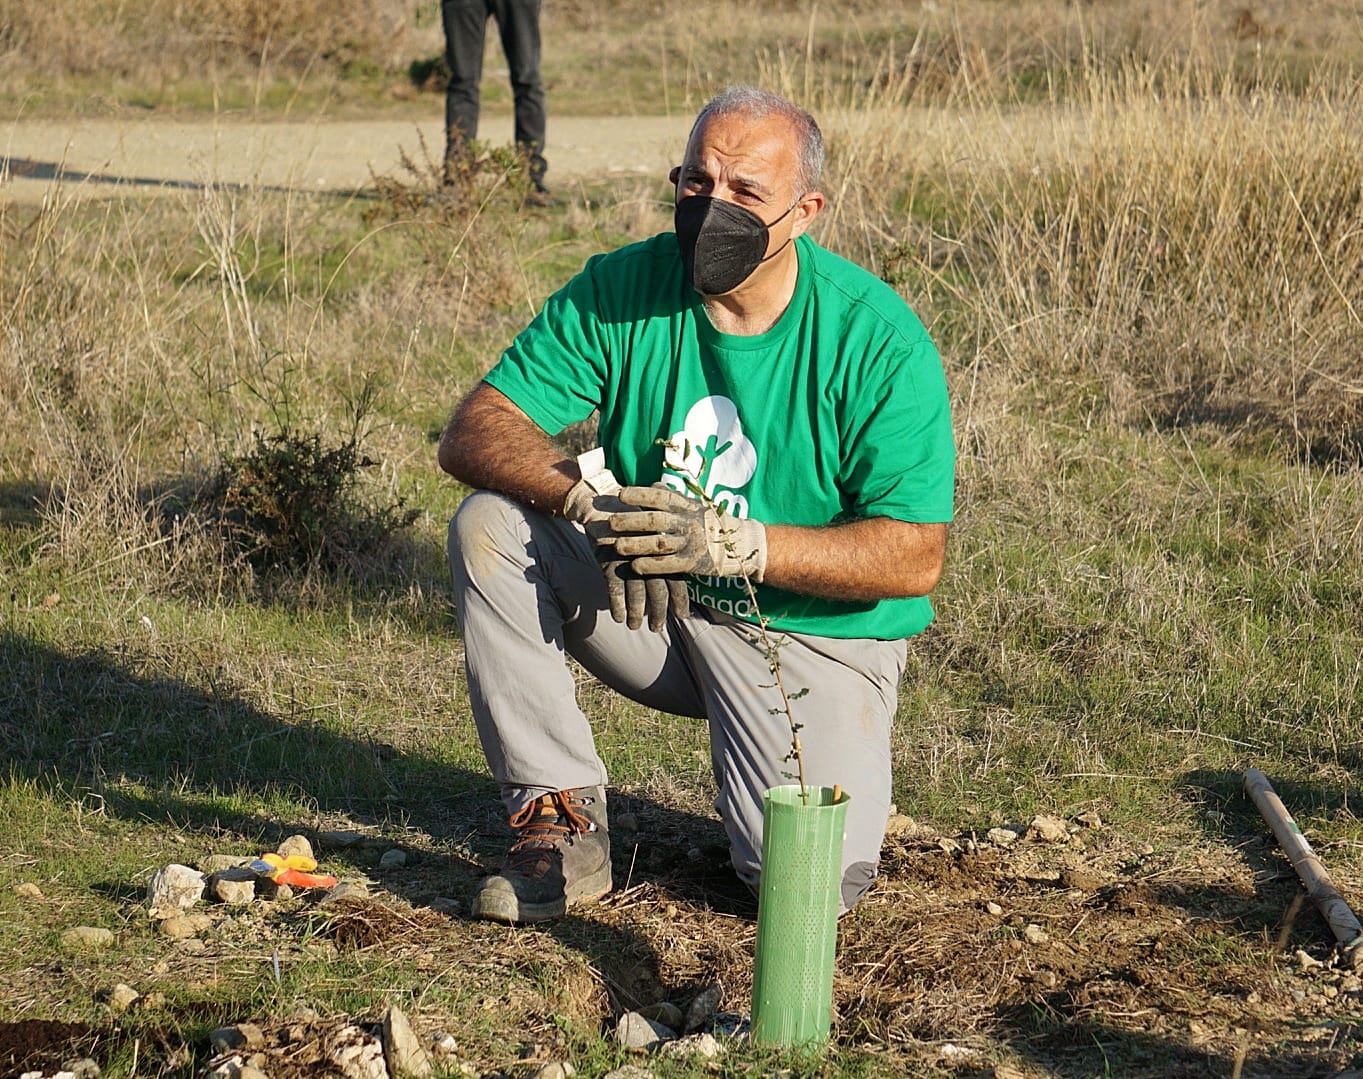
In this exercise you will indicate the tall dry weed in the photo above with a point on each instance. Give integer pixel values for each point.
(1187, 257)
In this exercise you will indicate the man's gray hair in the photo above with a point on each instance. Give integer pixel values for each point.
(755, 103)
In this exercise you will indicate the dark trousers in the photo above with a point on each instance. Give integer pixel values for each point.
(518, 23)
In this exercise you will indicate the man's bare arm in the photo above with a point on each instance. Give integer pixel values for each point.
(876, 558)
(491, 444)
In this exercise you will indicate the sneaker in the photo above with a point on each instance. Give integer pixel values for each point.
(561, 855)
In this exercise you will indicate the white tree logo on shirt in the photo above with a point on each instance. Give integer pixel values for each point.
(713, 451)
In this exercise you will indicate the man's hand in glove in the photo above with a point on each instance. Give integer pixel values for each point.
(591, 502)
(663, 532)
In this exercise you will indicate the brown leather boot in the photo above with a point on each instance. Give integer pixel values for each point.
(561, 855)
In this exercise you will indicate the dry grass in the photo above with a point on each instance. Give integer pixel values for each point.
(1135, 231)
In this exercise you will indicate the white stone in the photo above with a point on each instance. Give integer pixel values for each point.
(296, 844)
(174, 888)
(1048, 829)
(356, 1055)
(633, 1031)
(401, 1049)
(693, 1045)
(235, 887)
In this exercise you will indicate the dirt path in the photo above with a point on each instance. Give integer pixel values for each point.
(103, 157)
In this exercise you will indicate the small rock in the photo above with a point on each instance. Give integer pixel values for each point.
(1351, 983)
(247, 1071)
(1305, 961)
(356, 1055)
(1089, 819)
(236, 1038)
(444, 1045)
(182, 926)
(86, 938)
(693, 1045)
(296, 845)
(228, 1069)
(702, 1008)
(345, 890)
(28, 890)
(122, 997)
(666, 1013)
(994, 909)
(624, 822)
(151, 1001)
(340, 840)
(1034, 934)
(1047, 829)
(554, 1070)
(279, 893)
(193, 946)
(174, 888)
(401, 1049)
(235, 887)
(444, 904)
(633, 1031)
(898, 824)
(1001, 837)
(629, 1071)
(949, 845)
(393, 859)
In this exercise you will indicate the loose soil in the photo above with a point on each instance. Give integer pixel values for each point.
(1074, 957)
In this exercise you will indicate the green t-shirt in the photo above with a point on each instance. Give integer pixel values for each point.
(838, 412)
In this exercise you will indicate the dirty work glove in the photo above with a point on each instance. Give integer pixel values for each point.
(590, 503)
(671, 533)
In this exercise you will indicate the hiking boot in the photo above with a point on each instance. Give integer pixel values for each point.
(561, 855)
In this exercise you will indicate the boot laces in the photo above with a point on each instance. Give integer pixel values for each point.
(543, 824)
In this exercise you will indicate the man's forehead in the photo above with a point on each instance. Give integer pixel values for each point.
(738, 139)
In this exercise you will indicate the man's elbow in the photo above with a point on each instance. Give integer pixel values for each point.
(921, 568)
(448, 454)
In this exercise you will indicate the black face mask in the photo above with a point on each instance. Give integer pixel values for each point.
(721, 244)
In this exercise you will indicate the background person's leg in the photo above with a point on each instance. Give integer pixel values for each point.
(519, 24)
(845, 716)
(465, 24)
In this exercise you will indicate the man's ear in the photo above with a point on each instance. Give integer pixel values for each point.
(674, 175)
(806, 210)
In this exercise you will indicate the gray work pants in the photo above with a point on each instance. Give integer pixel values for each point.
(529, 590)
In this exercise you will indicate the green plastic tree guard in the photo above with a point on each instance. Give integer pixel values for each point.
(797, 915)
